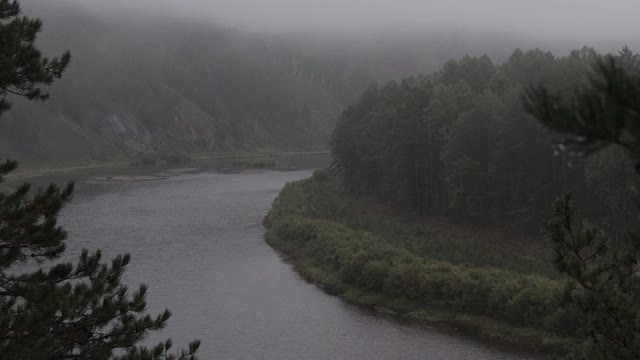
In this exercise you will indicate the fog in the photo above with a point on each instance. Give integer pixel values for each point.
(246, 74)
(585, 21)
(402, 155)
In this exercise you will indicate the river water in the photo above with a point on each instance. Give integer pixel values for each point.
(197, 241)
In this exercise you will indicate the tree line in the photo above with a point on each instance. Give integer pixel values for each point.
(481, 158)
(459, 143)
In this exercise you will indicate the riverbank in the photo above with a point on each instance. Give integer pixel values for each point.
(424, 273)
(133, 170)
(240, 158)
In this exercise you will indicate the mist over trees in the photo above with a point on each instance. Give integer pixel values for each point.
(458, 147)
(145, 85)
(458, 143)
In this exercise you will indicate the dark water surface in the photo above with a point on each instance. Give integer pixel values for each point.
(197, 241)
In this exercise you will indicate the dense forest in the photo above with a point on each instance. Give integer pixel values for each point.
(442, 184)
(458, 143)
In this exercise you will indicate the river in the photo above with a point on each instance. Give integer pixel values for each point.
(196, 239)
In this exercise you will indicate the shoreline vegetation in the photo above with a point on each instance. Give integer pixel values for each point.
(249, 159)
(420, 270)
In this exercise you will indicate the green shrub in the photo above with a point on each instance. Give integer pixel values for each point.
(361, 260)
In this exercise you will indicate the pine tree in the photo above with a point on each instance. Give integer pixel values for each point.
(22, 67)
(606, 287)
(65, 310)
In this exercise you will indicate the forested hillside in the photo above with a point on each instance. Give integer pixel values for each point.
(140, 86)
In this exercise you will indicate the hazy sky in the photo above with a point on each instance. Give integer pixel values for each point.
(582, 19)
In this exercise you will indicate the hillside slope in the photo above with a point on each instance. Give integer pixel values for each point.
(138, 87)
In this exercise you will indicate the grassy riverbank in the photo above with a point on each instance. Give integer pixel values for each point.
(423, 270)
(255, 159)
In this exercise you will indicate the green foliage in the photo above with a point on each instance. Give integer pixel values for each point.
(613, 185)
(324, 197)
(606, 287)
(469, 156)
(606, 284)
(65, 309)
(23, 69)
(476, 72)
(371, 264)
(459, 143)
(600, 113)
(493, 164)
